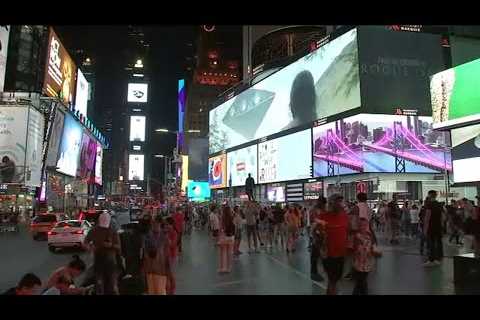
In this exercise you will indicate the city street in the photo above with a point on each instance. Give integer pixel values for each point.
(399, 271)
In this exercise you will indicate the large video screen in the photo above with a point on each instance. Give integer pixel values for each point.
(70, 146)
(98, 165)
(198, 157)
(137, 128)
(372, 143)
(276, 193)
(60, 72)
(466, 154)
(55, 138)
(198, 191)
(395, 69)
(88, 153)
(136, 167)
(33, 153)
(81, 96)
(240, 163)
(312, 190)
(137, 92)
(323, 83)
(456, 95)
(285, 158)
(217, 171)
(4, 35)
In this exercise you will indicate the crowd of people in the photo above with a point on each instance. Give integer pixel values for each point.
(341, 236)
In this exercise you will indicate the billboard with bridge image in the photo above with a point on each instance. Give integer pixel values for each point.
(369, 143)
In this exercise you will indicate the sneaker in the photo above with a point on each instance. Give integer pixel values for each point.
(429, 264)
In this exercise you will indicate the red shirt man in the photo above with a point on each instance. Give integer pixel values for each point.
(179, 219)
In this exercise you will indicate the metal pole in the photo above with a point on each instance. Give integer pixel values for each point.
(445, 175)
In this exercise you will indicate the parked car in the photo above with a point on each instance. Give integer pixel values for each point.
(42, 223)
(67, 234)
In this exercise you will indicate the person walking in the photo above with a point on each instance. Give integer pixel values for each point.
(251, 213)
(279, 227)
(414, 220)
(156, 263)
(394, 216)
(364, 250)
(292, 219)
(105, 244)
(214, 223)
(317, 236)
(226, 244)
(433, 229)
(238, 222)
(172, 254)
(336, 220)
(179, 219)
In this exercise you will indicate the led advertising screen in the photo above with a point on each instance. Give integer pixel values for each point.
(312, 190)
(60, 72)
(395, 69)
(456, 95)
(137, 92)
(33, 153)
(136, 167)
(81, 95)
(285, 158)
(88, 153)
(182, 97)
(198, 156)
(184, 180)
(55, 139)
(217, 171)
(4, 35)
(466, 154)
(70, 146)
(198, 191)
(137, 128)
(13, 124)
(240, 163)
(323, 83)
(372, 143)
(98, 165)
(276, 193)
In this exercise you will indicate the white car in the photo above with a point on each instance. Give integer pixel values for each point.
(67, 234)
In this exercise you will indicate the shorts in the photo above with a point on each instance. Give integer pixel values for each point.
(334, 267)
(251, 229)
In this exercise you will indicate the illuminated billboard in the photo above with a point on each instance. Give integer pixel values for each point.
(88, 152)
(136, 166)
(137, 128)
(240, 163)
(395, 69)
(198, 191)
(466, 154)
(55, 138)
(81, 95)
(456, 96)
(184, 180)
(276, 193)
(98, 165)
(379, 143)
(60, 72)
(4, 35)
(217, 171)
(70, 146)
(181, 112)
(312, 190)
(323, 83)
(137, 92)
(285, 158)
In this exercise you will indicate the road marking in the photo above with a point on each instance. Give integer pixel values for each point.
(301, 274)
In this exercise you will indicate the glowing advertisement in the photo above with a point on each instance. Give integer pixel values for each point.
(60, 73)
(181, 112)
(276, 193)
(198, 191)
(466, 154)
(285, 158)
(240, 163)
(184, 180)
(98, 164)
(373, 143)
(4, 35)
(137, 92)
(455, 95)
(55, 139)
(13, 121)
(33, 153)
(81, 95)
(217, 171)
(69, 151)
(136, 167)
(137, 128)
(312, 190)
(320, 84)
(88, 153)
